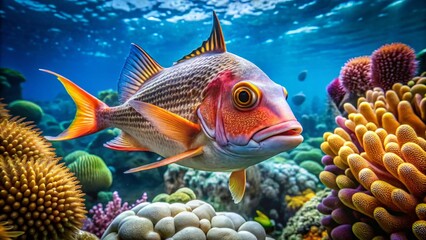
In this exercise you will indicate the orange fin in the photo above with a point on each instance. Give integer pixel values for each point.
(125, 142)
(166, 161)
(170, 124)
(85, 121)
(215, 43)
(237, 185)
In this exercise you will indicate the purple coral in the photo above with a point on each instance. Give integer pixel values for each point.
(336, 91)
(392, 63)
(102, 217)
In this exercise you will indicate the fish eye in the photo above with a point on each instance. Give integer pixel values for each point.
(245, 95)
(285, 93)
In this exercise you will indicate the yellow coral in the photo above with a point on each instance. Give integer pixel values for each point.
(296, 202)
(389, 171)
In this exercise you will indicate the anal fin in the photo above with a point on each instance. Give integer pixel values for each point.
(166, 161)
(237, 185)
(125, 142)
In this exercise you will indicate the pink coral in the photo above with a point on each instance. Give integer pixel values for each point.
(102, 217)
(355, 75)
(392, 63)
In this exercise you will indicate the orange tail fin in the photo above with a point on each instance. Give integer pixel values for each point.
(85, 121)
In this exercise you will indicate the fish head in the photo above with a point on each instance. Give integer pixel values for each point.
(247, 114)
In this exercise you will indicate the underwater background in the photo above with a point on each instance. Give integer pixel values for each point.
(301, 45)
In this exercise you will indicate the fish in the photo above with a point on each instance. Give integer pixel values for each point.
(264, 220)
(298, 99)
(302, 75)
(211, 110)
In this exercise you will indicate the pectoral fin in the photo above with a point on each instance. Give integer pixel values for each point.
(237, 185)
(166, 161)
(125, 142)
(170, 124)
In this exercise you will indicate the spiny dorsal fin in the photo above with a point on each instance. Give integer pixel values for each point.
(139, 67)
(215, 43)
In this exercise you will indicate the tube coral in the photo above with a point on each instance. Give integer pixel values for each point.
(376, 166)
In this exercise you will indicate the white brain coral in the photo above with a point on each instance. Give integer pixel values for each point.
(195, 220)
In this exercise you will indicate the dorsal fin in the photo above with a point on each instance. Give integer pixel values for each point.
(139, 67)
(215, 43)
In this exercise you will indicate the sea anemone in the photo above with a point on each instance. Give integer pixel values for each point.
(355, 75)
(392, 63)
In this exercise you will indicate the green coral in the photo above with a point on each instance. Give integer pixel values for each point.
(182, 195)
(109, 96)
(312, 154)
(73, 156)
(27, 109)
(10, 84)
(312, 167)
(92, 172)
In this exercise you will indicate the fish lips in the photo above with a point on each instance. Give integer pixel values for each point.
(271, 140)
(280, 137)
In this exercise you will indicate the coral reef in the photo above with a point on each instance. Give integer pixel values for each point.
(92, 172)
(392, 63)
(182, 195)
(46, 193)
(10, 84)
(306, 218)
(196, 219)
(102, 217)
(376, 166)
(267, 185)
(29, 110)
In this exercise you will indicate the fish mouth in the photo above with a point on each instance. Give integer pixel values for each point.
(286, 130)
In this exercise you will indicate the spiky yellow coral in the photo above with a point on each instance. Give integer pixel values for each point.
(384, 176)
(296, 202)
(6, 233)
(38, 196)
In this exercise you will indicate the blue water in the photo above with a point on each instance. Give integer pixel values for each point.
(88, 41)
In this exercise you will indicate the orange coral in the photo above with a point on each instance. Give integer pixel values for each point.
(315, 233)
(384, 177)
